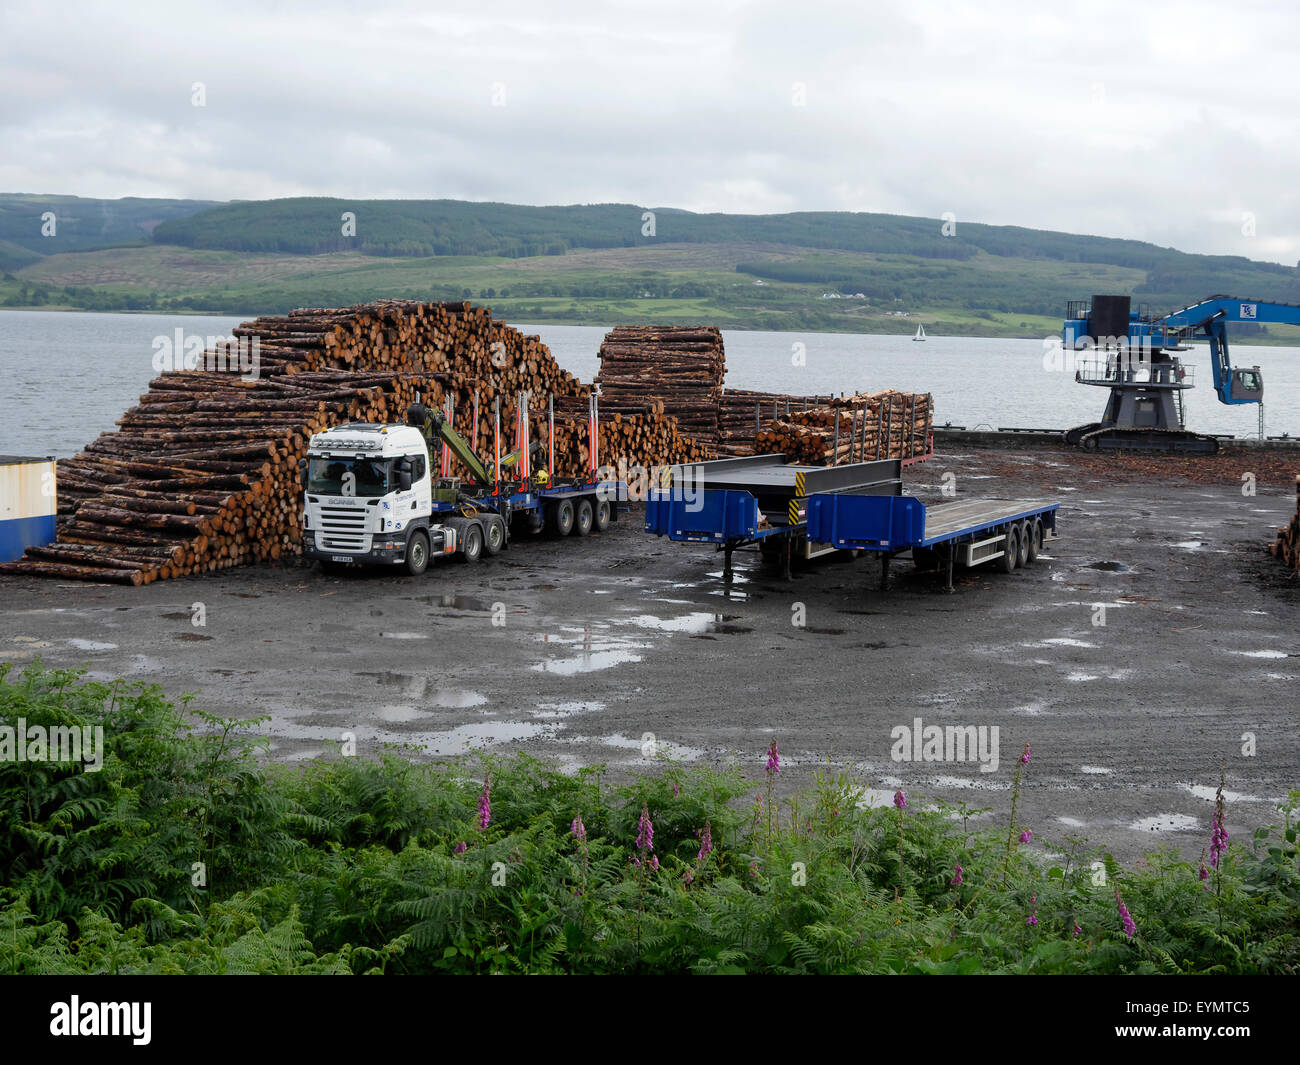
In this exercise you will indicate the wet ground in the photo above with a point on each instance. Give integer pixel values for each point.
(1154, 641)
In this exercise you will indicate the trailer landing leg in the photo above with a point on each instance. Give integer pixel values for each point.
(884, 571)
(789, 547)
(726, 563)
(952, 557)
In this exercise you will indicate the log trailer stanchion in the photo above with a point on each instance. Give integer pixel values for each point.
(810, 511)
(371, 494)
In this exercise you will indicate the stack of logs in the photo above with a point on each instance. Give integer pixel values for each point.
(742, 414)
(203, 473)
(629, 436)
(1287, 545)
(680, 367)
(859, 428)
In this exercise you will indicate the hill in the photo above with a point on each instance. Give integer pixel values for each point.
(594, 263)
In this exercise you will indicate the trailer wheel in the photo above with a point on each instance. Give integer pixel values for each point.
(562, 517)
(471, 548)
(1010, 550)
(1024, 534)
(582, 523)
(602, 515)
(495, 539)
(417, 553)
(1035, 538)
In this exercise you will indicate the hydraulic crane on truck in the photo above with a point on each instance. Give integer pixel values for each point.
(1147, 380)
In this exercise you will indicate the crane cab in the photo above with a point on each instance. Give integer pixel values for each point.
(1247, 386)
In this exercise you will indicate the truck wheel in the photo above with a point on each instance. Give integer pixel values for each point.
(582, 524)
(1024, 533)
(602, 515)
(562, 517)
(1035, 538)
(925, 558)
(496, 536)
(417, 553)
(1010, 551)
(472, 546)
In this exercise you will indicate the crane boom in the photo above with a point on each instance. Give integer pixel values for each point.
(433, 424)
(1209, 319)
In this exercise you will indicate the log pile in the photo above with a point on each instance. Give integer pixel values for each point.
(629, 436)
(203, 473)
(859, 428)
(680, 367)
(1287, 545)
(742, 414)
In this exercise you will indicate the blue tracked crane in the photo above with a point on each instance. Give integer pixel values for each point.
(1135, 359)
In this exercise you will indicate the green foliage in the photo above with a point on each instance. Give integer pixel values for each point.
(349, 866)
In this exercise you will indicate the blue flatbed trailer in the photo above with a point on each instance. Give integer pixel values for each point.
(787, 509)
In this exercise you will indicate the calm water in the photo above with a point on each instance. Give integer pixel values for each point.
(70, 375)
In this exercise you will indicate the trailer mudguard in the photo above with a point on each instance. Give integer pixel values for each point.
(718, 515)
(873, 523)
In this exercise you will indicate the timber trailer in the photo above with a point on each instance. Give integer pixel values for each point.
(791, 510)
(371, 493)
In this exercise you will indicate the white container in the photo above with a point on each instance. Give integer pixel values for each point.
(28, 504)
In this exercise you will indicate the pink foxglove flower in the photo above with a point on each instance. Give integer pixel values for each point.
(485, 804)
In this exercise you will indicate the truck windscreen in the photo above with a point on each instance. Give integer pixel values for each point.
(350, 477)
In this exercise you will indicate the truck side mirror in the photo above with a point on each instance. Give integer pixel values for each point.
(302, 473)
(404, 475)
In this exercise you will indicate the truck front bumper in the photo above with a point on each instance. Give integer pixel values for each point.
(389, 549)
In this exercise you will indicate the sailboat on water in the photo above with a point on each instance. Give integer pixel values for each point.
(920, 332)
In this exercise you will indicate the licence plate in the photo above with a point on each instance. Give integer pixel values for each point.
(340, 558)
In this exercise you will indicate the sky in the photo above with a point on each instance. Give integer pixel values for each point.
(1171, 122)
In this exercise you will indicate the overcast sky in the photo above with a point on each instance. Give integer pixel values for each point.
(1162, 121)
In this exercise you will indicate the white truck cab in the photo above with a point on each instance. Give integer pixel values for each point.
(368, 496)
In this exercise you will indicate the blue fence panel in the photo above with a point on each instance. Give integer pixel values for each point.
(713, 515)
(869, 522)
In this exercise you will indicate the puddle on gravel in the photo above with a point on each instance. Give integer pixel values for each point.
(694, 622)
(662, 748)
(551, 711)
(1072, 822)
(480, 734)
(452, 602)
(422, 690)
(595, 651)
(1096, 770)
(1262, 654)
(1166, 823)
(404, 635)
(1204, 791)
(1060, 641)
(1110, 567)
(191, 637)
(873, 798)
(92, 645)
